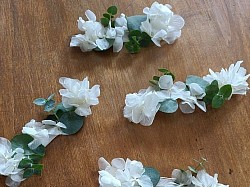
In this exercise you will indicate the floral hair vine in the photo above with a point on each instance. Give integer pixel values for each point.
(133, 174)
(21, 156)
(158, 24)
(214, 88)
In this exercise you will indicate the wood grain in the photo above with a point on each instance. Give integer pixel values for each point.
(35, 53)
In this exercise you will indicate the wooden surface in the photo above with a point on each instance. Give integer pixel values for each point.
(35, 53)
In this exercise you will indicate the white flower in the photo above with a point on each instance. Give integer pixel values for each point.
(94, 34)
(9, 161)
(235, 76)
(162, 24)
(203, 179)
(167, 182)
(122, 174)
(191, 97)
(171, 90)
(43, 133)
(77, 94)
(142, 107)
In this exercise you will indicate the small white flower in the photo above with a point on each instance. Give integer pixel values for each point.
(77, 94)
(235, 76)
(94, 34)
(171, 90)
(162, 24)
(123, 174)
(43, 133)
(203, 179)
(142, 107)
(191, 97)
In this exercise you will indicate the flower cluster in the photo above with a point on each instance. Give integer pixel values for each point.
(215, 89)
(121, 173)
(158, 24)
(20, 157)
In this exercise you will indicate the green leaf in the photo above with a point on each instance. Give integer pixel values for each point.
(163, 70)
(211, 90)
(156, 78)
(192, 169)
(51, 97)
(72, 121)
(132, 47)
(134, 22)
(25, 163)
(36, 158)
(217, 101)
(49, 105)
(145, 40)
(226, 91)
(37, 170)
(105, 22)
(198, 80)
(154, 82)
(136, 33)
(106, 15)
(112, 10)
(169, 106)
(22, 141)
(153, 174)
(40, 101)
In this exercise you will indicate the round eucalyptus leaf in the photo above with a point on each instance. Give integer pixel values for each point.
(72, 121)
(169, 106)
(153, 174)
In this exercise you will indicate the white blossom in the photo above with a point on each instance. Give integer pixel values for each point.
(162, 24)
(171, 90)
(43, 133)
(94, 34)
(190, 99)
(203, 179)
(9, 161)
(78, 94)
(141, 107)
(235, 75)
(119, 34)
(121, 173)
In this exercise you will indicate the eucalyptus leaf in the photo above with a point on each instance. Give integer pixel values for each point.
(51, 97)
(72, 121)
(217, 101)
(198, 80)
(169, 106)
(25, 163)
(49, 105)
(153, 174)
(192, 169)
(226, 91)
(40, 101)
(134, 22)
(22, 141)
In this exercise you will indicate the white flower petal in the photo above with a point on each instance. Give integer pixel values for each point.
(90, 15)
(102, 44)
(165, 82)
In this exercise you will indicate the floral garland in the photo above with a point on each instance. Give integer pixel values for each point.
(214, 88)
(158, 24)
(21, 156)
(133, 174)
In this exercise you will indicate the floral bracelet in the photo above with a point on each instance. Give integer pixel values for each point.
(158, 24)
(214, 89)
(121, 173)
(21, 156)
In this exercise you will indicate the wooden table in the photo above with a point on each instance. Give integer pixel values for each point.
(35, 53)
